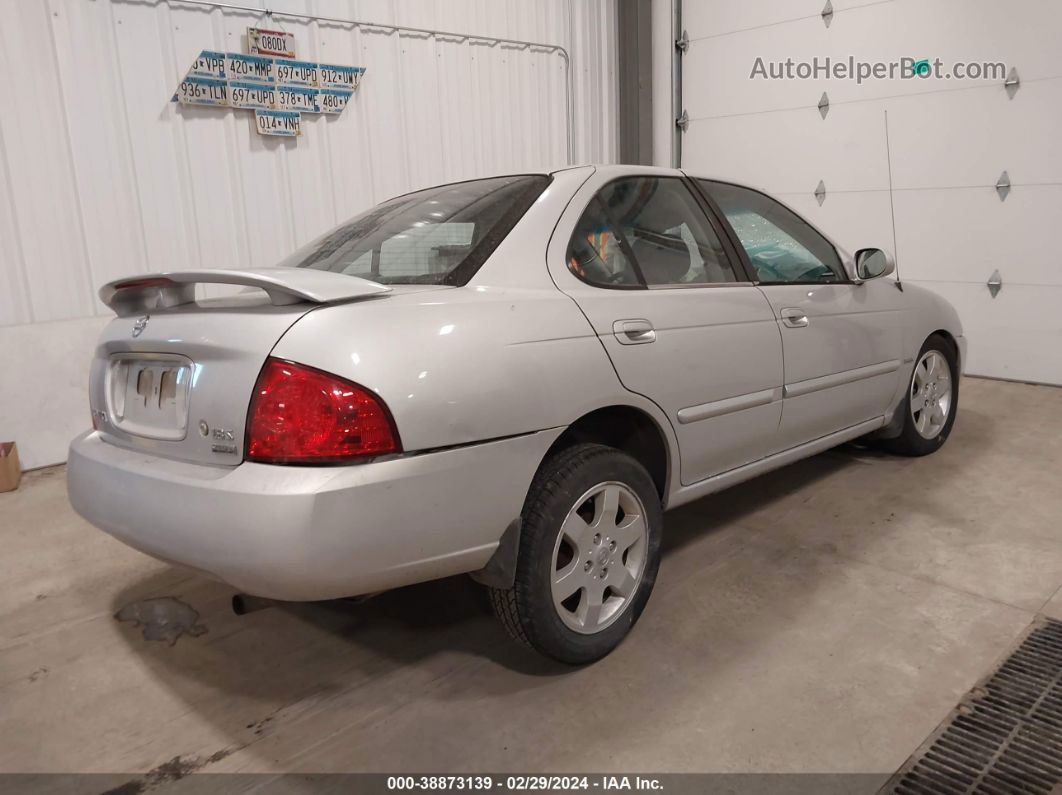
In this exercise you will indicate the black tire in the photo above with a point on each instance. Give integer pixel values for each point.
(527, 609)
(910, 442)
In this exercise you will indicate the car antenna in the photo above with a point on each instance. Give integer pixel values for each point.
(892, 207)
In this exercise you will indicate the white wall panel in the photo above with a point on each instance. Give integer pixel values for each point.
(949, 142)
(101, 175)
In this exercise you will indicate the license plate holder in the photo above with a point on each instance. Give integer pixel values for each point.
(148, 395)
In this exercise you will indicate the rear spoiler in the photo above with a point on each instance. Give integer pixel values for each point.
(133, 295)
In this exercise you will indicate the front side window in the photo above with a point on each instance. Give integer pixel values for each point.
(782, 246)
(647, 232)
(436, 236)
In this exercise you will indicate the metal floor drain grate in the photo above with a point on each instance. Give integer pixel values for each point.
(1006, 734)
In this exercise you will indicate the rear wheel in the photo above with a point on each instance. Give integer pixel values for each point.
(588, 557)
(931, 401)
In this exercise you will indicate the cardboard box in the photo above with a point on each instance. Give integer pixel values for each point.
(10, 470)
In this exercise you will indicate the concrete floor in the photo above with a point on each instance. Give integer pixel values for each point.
(823, 618)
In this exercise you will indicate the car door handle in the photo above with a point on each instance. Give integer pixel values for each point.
(634, 332)
(794, 318)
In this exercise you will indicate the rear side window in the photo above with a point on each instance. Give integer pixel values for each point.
(436, 236)
(782, 246)
(647, 232)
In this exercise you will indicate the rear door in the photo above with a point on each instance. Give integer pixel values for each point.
(676, 313)
(842, 341)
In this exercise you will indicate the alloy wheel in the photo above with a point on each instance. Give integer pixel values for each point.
(931, 394)
(599, 557)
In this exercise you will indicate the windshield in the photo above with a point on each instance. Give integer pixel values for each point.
(435, 236)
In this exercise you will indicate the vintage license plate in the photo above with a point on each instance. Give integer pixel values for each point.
(209, 64)
(298, 98)
(249, 67)
(252, 95)
(273, 43)
(278, 122)
(332, 76)
(202, 91)
(333, 100)
(300, 73)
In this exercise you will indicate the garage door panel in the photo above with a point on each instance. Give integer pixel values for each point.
(968, 138)
(963, 235)
(949, 141)
(720, 66)
(790, 152)
(730, 16)
(853, 220)
(716, 71)
(1013, 335)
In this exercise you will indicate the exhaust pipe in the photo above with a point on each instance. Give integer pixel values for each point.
(244, 603)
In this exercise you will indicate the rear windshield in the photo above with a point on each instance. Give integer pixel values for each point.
(436, 236)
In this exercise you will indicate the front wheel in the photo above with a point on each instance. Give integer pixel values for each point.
(588, 556)
(931, 401)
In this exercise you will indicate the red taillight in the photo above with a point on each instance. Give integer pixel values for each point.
(302, 415)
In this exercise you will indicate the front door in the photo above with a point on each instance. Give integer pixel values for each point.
(841, 341)
(677, 316)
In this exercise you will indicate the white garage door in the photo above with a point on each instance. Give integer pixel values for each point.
(949, 142)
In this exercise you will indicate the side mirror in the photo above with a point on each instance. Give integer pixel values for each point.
(873, 263)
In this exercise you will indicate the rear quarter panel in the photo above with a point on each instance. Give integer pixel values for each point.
(464, 364)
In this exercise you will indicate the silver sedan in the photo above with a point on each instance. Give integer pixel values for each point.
(512, 377)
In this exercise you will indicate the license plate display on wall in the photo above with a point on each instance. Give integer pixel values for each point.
(297, 98)
(333, 76)
(301, 73)
(195, 90)
(209, 64)
(269, 81)
(249, 67)
(254, 96)
(273, 43)
(333, 100)
(278, 122)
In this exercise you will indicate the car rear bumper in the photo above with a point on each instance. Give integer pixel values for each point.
(307, 533)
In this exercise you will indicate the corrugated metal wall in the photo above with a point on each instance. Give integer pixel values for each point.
(102, 176)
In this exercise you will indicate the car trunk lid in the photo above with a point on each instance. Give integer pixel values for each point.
(173, 375)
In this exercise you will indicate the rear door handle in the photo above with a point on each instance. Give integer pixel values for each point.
(794, 318)
(634, 332)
